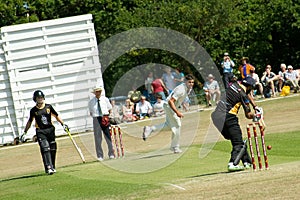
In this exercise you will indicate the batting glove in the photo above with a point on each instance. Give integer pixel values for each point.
(66, 128)
(259, 110)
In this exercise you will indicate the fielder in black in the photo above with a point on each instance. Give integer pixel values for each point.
(45, 131)
(226, 121)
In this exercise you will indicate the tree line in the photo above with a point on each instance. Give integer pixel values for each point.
(266, 31)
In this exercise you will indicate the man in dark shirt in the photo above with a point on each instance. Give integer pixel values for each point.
(226, 121)
(45, 131)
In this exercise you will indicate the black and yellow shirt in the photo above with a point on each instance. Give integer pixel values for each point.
(236, 97)
(42, 116)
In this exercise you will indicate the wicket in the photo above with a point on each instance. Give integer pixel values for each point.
(115, 130)
(261, 129)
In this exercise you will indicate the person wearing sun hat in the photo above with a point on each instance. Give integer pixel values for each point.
(292, 77)
(245, 67)
(99, 108)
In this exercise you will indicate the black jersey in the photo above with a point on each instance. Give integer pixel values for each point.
(42, 116)
(235, 98)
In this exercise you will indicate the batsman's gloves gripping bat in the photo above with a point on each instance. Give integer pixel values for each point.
(258, 114)
(66, 127)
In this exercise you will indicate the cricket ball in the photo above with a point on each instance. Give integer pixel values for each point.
(269, 147)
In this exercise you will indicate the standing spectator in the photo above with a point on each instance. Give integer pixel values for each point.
(245, 67)
(158, 107)
(45, 131)
(268, 80)
(114, 116)
(173, 115)
(100, 108)
(178, 77)
(127, 111)
(281, 77)
(292, 78)
(225, 118)
(168, 79)
(227, 64)
(258, 85)
(158, 87)
(144, 108)
(211, 87)
(148, 89)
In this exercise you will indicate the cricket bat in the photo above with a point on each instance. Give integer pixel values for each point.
(76, 146)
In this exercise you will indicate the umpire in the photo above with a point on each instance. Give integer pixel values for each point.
(226, 121)
(45, 131)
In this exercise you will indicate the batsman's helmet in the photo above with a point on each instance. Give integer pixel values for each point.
(37, 93)
(248, 81)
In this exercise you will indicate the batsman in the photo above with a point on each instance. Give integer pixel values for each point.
(45, 131)
(226, 121)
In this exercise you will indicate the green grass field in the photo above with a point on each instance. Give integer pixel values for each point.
(94, 180)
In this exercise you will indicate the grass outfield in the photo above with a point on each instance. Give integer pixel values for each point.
(189, 177)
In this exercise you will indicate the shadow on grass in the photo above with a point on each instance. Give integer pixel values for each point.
(209, 174)
(23, 177)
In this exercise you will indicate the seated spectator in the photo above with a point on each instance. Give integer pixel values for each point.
(114, 115)
(292, 78)
(212, 90)
(268, 80)
(143, 108)
(158, 107)
(127, 111)
(281, 77)
(258, 85)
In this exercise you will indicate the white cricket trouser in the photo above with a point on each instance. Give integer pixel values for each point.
(172, 122)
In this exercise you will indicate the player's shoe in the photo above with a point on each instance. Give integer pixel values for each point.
(176, 150)
(100, 159)
(247, 165)
(235, 168)
(146, 132)
(111, 157)
(51, 171)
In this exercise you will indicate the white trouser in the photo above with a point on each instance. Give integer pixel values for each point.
(172, 122)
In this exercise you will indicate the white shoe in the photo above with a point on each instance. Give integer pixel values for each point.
(100, 159)
(51, 171)
(111, 157)
(146, 132)
(234, 168)
(176, 149)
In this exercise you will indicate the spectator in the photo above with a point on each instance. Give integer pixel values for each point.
(100, 108)
(114, 116)
(148, 89)
(227, 64)
(158, 107)
(144, 108)
(292, 78)
(212, 89)
(245, 67)
(268, 80)
(281, 77)
(158, 87)
(168, 79)
(127, 111)
(178, 77)
(258, 85)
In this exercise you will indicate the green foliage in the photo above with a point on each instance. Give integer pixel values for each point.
(265, 31)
